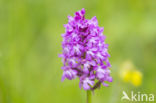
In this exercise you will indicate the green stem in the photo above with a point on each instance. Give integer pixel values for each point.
(89, 96)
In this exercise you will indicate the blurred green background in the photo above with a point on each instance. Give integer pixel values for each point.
(30, 41)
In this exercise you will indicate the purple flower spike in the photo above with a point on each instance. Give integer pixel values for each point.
(85, 54)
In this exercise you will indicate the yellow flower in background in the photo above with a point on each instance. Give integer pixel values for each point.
(130, 74)
(126, 70)
(136, 78)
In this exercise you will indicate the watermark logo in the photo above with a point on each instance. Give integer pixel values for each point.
(125, 96)
(137, 97)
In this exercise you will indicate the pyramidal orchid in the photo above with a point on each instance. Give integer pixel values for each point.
(85, 53)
